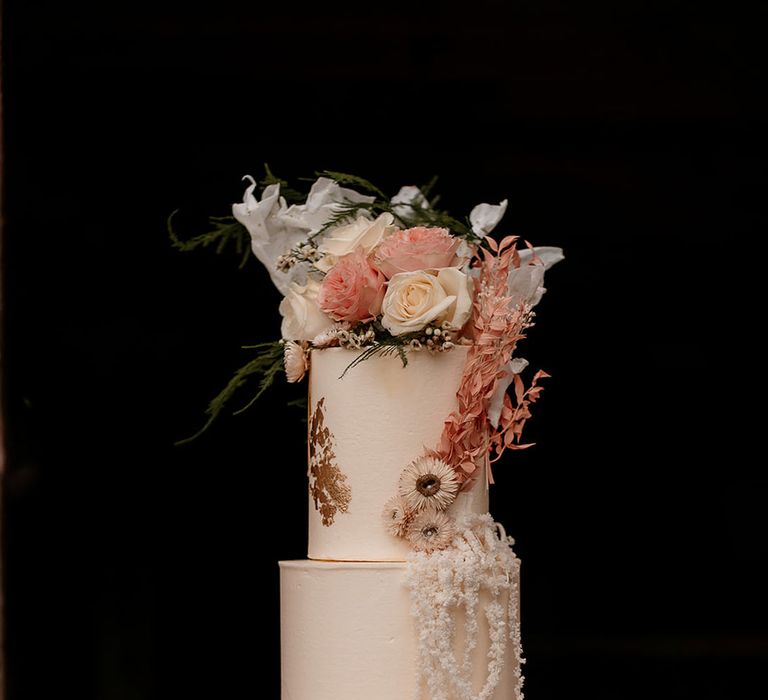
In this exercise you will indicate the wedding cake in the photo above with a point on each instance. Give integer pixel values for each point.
(406, 322)
(346, 613)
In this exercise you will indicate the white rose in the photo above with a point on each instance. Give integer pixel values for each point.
(302, 318)
(361, 233)
(414, 299)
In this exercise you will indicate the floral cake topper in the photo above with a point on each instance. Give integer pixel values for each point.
(393, 275)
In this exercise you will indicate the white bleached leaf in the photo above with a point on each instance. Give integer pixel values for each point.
(275, 227)
(484, 217)
(408, 198)
(515, 366)
(548, 254)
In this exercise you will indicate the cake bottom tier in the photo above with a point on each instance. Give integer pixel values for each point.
(347, 634)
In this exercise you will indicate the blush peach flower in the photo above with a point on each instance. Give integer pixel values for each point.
(353, 289)
(417, 248)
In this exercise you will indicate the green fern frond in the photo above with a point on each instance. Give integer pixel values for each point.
(344, 212)
(421, 215)
(225, 230)
(270, 178)
(384, 347)
(426, 190)
(267, 363)
(271, 359)
(302, 404)
(347, 179)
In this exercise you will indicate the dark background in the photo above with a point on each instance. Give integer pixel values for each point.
(628, 133)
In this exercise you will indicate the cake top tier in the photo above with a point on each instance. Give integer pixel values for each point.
(369, 435)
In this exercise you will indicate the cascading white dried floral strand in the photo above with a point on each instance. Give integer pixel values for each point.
(480, 560)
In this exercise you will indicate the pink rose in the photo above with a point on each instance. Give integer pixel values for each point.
(353, 289)
(417, 248)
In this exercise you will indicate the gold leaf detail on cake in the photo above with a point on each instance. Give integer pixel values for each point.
(327, 484)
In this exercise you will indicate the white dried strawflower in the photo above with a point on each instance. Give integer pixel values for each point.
(295, 360)
(396, 516)
(431, 530)
(428, 482)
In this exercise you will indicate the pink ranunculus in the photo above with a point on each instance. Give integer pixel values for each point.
(353, 289)
(418, 248)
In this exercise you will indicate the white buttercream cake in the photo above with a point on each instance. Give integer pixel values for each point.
(348, 626)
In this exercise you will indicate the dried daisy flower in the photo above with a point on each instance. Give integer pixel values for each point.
(430, 530)
(330, 336)
(396, 516)
(428, 482)
(295, 360)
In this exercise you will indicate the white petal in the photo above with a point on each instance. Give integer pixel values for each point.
(302, 317)
(322, 202)
(270, 235)
(526, 283)
(549, 255)
(484, 217)
(248, 199)
(406, 196)
(523, 284)
(459, 285)
(326, 262)
(515, 366)
(362, 232)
